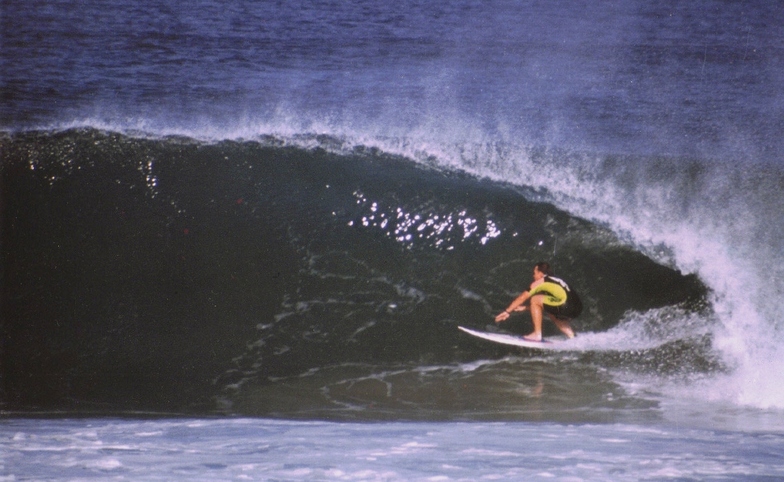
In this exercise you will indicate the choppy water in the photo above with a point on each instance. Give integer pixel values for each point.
(250, 449)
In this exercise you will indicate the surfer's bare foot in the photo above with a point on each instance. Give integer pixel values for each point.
(533, 337)
(568, 332)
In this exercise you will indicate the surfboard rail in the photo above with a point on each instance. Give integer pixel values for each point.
(513, 340)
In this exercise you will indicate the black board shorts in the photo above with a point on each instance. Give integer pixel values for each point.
(571, 309)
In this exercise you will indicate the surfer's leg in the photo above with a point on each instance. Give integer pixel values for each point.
(537, 308)
(563, 324)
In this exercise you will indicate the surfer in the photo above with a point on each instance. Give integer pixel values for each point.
(546, 294)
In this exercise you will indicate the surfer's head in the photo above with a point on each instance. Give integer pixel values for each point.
(543, 267)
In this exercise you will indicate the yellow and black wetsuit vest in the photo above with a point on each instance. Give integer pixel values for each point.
(555, 291)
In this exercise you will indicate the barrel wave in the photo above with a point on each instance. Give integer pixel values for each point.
(171, 275)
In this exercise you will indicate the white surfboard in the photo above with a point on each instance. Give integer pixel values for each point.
(547, 344)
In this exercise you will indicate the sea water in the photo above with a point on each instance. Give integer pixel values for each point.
(238, 239)
(253, 449)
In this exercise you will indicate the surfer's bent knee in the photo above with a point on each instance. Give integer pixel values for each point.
(537, 299)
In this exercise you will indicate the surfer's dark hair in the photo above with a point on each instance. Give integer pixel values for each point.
(544, 267)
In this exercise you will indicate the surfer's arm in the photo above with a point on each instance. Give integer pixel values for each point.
(517, 305)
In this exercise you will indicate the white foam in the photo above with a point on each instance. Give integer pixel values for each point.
(255, 449)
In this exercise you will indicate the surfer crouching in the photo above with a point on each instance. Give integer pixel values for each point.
(546, 294)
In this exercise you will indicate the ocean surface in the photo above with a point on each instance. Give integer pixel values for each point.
(238, 239)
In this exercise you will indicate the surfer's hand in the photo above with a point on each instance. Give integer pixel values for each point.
(502, 316)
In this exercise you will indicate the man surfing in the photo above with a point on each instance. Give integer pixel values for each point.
(546, 294)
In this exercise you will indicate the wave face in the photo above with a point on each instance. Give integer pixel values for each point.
(152, 274)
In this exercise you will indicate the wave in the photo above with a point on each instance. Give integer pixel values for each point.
(163, 272)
